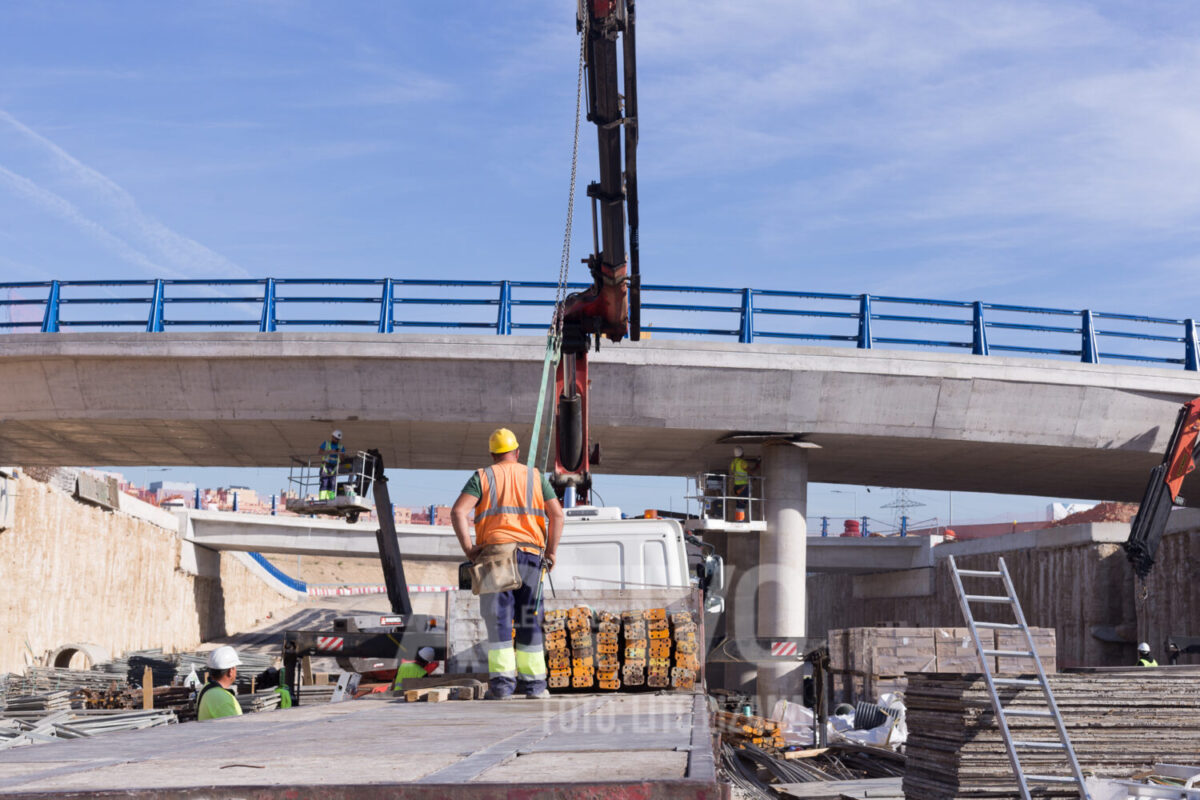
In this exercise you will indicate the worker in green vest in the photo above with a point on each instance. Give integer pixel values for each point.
(216, 700)
(739, 474)
(1144, 659)
(269, 679)
(424, 665)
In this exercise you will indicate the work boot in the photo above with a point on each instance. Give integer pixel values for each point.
(544, 694)
(490, 695)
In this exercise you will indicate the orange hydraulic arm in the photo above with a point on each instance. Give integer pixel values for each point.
(610, 307)
(1166, 481)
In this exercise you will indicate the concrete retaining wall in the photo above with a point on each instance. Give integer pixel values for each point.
(1083, 591)
(76, 573)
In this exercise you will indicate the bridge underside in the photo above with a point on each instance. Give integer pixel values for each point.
(918, 420)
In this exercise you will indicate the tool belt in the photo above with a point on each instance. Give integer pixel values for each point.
(495, 569)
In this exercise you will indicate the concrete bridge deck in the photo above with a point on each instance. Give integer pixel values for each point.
(919, 420)
(224, 530)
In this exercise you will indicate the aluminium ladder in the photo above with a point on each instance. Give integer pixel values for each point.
(1009, 598)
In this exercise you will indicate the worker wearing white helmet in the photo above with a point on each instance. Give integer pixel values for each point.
(424, 665)
(1144, 659)
(739, 473)
(216, 700)
(332, 454)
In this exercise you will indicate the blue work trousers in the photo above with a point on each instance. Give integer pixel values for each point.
(516, 663)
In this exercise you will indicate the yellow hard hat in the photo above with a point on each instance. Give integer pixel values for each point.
(502, 440)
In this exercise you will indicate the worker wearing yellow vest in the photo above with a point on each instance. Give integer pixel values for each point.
(513, 503)
(1144, 659)
(424, 665)
(739, 473)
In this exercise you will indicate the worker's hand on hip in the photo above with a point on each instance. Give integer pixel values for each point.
(474, 552)
(548, 560)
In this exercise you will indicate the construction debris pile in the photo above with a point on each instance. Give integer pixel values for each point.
(25, 725)
(605, 650)
(49, 703)
(868, 663)
(1120, 723)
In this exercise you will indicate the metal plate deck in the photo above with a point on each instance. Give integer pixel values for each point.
(654, 747)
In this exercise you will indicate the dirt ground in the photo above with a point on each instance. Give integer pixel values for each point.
(331, 569)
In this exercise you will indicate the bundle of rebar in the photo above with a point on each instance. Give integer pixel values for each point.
(1118, 723)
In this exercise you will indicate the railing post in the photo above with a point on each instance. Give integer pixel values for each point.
(50, 318)
(273, 507)
(154, 324)
(864, 532)
(196, 501)
(864, 322)
(504, 315)
(1088, 352)
(1191, 346)
(387, 323)
(904, 526)
(747, 333)
(979, 345)
(235, 501)
(267, 324)
(824, 526)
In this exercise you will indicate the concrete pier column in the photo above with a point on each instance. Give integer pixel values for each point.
(782, 608)
(741, 580)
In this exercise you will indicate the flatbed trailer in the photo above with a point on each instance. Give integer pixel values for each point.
(647, 746)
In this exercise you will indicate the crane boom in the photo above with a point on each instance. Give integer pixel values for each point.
(610, 307)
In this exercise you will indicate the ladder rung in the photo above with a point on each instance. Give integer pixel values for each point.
(999, 626)
(1026, 712)
(988, 598)
(1049, 779)
(1009, 653)
(979, 573)
(1038, 745)
(1016, 682)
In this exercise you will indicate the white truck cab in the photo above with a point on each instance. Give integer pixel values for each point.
(600, 550)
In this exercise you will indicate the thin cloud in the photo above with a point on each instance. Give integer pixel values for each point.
(69, 213)
(165, 246)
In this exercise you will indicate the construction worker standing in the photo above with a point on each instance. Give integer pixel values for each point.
(332, 452)
(513, 505)
(1144, 659)
(215, 699)
(739, 473)
(424, 665)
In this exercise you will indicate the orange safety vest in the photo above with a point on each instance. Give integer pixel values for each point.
(510, 507)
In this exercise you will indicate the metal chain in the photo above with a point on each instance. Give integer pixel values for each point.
(554, 335)
(564, 264)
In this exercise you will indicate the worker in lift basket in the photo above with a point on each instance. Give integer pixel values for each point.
(1144, 659)
(215, 699)
(739, 473)
(514, 506)
(332, 453)
(424, 665)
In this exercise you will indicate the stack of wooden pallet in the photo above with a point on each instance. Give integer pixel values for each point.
(741, 729)
(1119, 723)
(642, 648)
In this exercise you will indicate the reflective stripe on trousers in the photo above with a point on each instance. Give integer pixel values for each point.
(516, 663)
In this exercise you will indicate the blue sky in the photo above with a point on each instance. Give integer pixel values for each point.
(1021, 152)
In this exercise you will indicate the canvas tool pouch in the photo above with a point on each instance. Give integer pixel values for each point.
(495, 569)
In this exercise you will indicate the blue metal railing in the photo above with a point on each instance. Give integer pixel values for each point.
(745, 315)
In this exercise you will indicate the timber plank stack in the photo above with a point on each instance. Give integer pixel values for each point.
(870, 662)
(644, 648)
(1119, 724)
